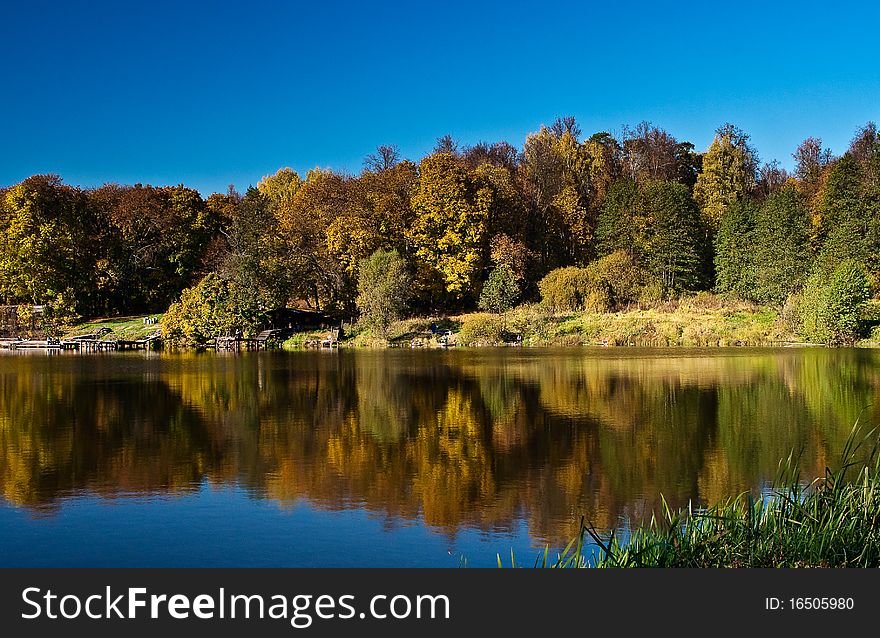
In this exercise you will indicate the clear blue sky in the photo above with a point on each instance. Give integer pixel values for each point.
(218, 92)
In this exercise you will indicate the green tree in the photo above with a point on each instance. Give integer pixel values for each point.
(735, 251)
(500, 291)
(618, 226)
(383, 289)
(252, 261)
(782, 258)
(213, 307)
(674, 246)
(659, 225)
(831, 306)
(849, 217)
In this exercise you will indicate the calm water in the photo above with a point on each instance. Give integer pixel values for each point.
(394, 458)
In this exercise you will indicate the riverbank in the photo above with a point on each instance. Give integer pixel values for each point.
(700, 321)
(704, 321)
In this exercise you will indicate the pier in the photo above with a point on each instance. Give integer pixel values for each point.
(266, 340)
(80, 343)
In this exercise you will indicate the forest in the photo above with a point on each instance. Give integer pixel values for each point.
(591, 223)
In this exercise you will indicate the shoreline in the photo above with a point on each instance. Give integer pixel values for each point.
(690, 323)
(683, 325)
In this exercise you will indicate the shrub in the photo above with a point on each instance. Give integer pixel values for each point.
(790, 317)
(629, 282)
(653, 292)
(530, 321)
(704, 301)
(213, 307)
(846, 294)
(481, 330)
(572, 289)
(60, 311)
(383, 289)
(500, 291)
(831, 307)
(622, 273)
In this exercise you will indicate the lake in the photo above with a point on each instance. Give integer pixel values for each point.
(395, 457)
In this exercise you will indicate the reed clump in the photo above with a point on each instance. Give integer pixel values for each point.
(832, 521)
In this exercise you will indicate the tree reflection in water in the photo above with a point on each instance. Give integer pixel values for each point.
(479, 439)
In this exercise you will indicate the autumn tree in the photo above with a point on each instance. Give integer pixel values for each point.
(650, 152)
(864, 150)
(449, 230)
(373, 213)
(222, 209)
(812, 163)
(810, 158)
(386, 156)
(446, 144)
(317, 278)
(561, 181)
(511, 253)
(499, 154)
(727, 175)
(771, 177)
(506, 206)
(48, 254)
(283, 185)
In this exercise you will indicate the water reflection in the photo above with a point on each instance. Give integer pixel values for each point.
(470, 439)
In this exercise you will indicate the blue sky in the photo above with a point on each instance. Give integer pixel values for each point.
(215, 93)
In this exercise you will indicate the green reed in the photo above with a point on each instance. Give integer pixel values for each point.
(833, 521)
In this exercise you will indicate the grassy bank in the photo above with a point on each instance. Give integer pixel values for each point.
(124, 328)
(701, 321)
(834, 521)
(704, 320)
(692, 322)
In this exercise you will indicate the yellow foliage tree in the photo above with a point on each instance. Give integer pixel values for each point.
(451, 213)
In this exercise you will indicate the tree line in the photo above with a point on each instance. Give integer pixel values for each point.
(584, 222)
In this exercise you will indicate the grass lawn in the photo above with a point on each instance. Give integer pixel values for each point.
(125, 328)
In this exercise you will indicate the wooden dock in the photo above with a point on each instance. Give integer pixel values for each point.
(331, 340)
(266, 340)
(81, 343)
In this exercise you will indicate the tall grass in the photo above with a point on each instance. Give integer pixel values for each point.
(832, 521)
